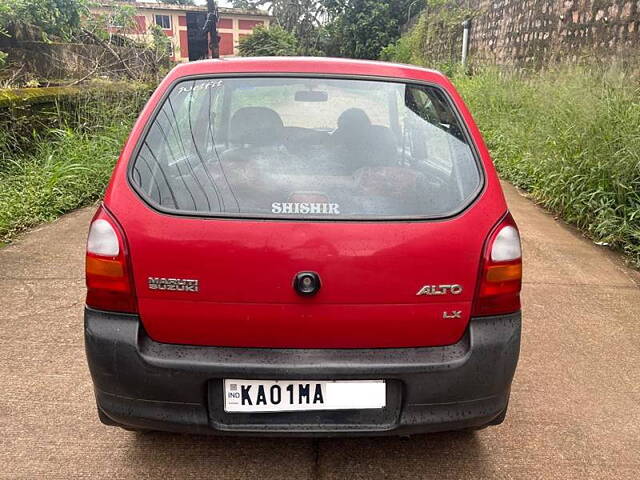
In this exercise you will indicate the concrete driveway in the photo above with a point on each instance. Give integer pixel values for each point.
(575, 408)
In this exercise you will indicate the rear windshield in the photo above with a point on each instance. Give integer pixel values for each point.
(306, 148)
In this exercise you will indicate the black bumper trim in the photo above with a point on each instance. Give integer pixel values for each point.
(141, 383)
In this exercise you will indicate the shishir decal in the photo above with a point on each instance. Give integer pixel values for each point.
(306, 208)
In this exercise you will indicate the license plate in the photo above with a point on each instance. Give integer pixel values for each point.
(300, 395)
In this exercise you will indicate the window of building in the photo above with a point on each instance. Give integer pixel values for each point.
(163, 21)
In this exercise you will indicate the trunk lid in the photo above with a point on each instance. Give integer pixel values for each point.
(371, 275)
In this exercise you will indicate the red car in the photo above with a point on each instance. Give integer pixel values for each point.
(294, 246)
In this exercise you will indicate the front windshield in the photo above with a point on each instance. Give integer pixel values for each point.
(306, 148)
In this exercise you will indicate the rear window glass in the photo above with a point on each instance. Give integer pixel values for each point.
(306, 148)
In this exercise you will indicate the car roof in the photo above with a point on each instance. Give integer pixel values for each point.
(306, 65)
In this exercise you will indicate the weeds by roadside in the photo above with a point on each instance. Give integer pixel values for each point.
(570, 137)
(69, 166)
(66, 173)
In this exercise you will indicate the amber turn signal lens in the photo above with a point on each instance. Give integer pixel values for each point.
(105, 268)
(504, 273)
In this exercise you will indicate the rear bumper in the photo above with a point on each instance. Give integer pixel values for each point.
(141, 383)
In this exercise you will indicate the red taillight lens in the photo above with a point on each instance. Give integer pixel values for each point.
(109, 283)
(501, 272)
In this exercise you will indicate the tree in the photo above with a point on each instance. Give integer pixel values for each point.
(160, 44)
(245, 4)
(362, 28)
(54, 17)
(122, 16)
(269, 42)
(343, 28)
(302, 18)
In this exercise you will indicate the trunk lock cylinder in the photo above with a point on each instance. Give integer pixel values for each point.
(307, 284)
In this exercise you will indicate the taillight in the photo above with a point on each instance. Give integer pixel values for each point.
(109, 283)
(501, 272)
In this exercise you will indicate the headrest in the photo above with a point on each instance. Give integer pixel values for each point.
(257, 126)
(353, 118)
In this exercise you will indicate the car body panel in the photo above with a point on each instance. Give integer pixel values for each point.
(371, 271)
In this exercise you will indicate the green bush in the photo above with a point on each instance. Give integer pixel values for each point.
(400, 51)
(68, 167)
(434, 41)
(269, 42)
(570, 137)
(55, 17)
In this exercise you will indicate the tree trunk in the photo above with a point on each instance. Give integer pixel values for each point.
(212, 23)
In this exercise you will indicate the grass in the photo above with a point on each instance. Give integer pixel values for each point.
(570, 137)
(67, 167)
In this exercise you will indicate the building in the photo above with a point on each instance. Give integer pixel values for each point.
(183, 25)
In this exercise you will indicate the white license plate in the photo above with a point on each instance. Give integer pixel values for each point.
(300, 395)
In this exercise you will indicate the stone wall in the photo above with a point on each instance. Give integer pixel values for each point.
(538, 32)
(51, 61)
(25, 112)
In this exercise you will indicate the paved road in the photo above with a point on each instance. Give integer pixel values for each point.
(575, 409)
